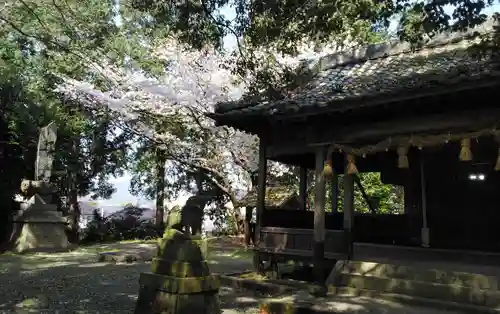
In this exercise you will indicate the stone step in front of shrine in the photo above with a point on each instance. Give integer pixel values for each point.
(474, 293)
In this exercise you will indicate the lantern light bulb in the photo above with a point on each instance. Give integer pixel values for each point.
(477, 177)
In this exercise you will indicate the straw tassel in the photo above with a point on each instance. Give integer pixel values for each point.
(403, 162)
(264, 309)
(465, 151)
(328, 169)
(497, 165)
(351, 164)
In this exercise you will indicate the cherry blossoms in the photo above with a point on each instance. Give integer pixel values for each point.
(192, 84)
(194, 81)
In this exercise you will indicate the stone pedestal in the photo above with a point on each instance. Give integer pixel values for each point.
(39, 226)
(180, 281)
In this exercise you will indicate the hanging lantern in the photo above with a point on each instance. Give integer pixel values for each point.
(351, 164)
(328, 168)
(403, 162)
(465, 151)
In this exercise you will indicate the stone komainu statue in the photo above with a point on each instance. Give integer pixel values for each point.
(193, 211)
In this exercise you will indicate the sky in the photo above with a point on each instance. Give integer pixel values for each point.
(122, 194)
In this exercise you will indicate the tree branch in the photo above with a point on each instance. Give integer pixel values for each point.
(235, 34)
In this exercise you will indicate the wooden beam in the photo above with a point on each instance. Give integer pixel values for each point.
(261, 200)
(319, 217)
(473, 119)
(284, 148)
(292, 142)
(348, 211)
(303, 188)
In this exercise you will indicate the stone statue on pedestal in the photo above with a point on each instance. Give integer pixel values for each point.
(39, 226)
(180, 281)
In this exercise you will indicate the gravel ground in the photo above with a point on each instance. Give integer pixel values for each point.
(75, 283)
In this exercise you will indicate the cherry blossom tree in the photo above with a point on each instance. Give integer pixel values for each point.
(169, 112)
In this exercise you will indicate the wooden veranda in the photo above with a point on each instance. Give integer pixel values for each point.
(426, 119)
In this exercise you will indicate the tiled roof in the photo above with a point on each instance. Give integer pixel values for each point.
(379, 70)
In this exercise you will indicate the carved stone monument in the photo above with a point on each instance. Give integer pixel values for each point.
(180, 281)
(39, 226)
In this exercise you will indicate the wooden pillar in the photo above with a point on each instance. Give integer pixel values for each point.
(319, 217)
(261, 198)
(303, 188)
(412, 201)
(348, 211)
(425, 228)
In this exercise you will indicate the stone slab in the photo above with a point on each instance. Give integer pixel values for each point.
(411, 301)
(254, 285)
(25, 206)
(126, 257)
(276, 307)
(43, 217)
(444, 287)
(430, 290)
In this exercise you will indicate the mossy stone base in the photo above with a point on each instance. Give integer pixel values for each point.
(189, 285)
(180, 269)
(166, 303)
(180, 282)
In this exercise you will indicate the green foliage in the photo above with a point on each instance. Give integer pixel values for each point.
(390, 198)
(39, 42)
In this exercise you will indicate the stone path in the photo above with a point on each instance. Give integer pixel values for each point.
(76, 283)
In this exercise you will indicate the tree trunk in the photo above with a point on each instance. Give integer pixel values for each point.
(160, 186)
(247, 226)
(74, 208)
(238, 221)
(235, 213)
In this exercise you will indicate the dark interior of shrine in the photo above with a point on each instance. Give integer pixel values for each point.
(462, 199)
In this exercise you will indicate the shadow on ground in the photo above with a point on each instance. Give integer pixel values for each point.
(75, 283)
